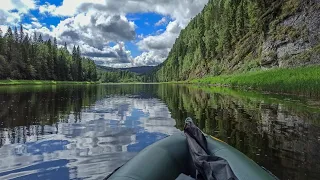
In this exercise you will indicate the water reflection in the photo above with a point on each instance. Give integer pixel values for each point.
(53, 138)
(281, 133)
(85, 132)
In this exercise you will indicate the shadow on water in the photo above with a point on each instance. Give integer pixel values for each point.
(86, 131)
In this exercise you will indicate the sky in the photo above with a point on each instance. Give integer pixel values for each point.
(114, 33)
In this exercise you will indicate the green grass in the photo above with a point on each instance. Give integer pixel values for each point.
(41, 82)
(302, 80)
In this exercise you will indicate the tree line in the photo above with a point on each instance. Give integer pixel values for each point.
(119, 76)
(27, 57)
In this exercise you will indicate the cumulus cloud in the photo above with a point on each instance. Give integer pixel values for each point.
(68, 8)
(47, 8)
(115, 56)
(96, 29)
(151, 58)
(182, 10)
(162, 41)
(93, 24)
(93, 31)
(8, 18)
(21, 6)
(11, 11)
(36, 24)
(156, 48)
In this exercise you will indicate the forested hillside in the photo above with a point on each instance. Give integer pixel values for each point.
(30, 57)
(139, 70)
(119, 75)
(231, 36)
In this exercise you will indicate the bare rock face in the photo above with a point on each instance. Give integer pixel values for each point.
(295, 41)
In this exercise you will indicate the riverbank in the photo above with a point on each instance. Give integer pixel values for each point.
(41, 82)
(301, 81)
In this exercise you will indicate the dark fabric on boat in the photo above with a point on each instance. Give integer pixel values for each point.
(208, 167)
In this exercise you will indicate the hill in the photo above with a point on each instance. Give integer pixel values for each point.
(238, 36)
(137, 70)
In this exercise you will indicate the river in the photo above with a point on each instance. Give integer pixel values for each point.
(87, 131)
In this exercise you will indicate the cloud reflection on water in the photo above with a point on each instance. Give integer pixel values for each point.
(90, 146)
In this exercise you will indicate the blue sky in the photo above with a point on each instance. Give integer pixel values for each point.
(118, 33)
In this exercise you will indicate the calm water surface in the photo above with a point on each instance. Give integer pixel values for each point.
(87, 131)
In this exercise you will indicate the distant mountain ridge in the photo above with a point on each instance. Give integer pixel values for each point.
(138, 70)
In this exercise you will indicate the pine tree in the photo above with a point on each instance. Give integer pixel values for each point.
(74, 68)
(10, 41)
(49, 58)
(16, 35)
(2, 43)
(40, 40)
(55, 59)
(79, 64)
(21, 34)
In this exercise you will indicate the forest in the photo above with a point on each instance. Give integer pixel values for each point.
(226, 37)
(119, 76)
(26, 57)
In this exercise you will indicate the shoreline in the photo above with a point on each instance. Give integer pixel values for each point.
(294, 81)
(41, 82)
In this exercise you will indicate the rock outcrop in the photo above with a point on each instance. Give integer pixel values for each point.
(295, 40)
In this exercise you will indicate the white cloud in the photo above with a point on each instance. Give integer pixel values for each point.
(68, 8)
(27, 26)
(20, 6)
(47, 8)
(95, 28)
(151, 58)
(116, 56)
(182, 10)
(36, 24)
(156, 48)
(8, 18)
(3, 29)
(162, 41)
(93, 24)
(162, 21)
(92, 31)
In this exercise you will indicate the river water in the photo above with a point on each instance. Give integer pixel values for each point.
(87, 131)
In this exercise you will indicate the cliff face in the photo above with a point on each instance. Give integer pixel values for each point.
(231, 36)
(294, 41)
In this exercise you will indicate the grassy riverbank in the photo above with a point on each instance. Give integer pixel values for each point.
(302, 80)
(41, 82)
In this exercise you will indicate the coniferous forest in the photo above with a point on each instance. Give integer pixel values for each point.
(29, 57)
(237, 36)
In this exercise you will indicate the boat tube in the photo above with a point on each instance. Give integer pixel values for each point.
(170, 158)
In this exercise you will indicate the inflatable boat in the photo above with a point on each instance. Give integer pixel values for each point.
(170, 157)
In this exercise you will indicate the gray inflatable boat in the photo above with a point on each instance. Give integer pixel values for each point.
(170, 157)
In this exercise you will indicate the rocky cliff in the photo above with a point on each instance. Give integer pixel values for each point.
(245, 35)
(294, 40)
